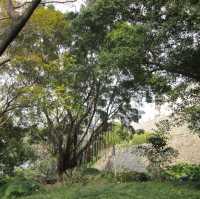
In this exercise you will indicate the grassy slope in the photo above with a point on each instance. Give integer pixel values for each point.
(147, 190)
(140, 139)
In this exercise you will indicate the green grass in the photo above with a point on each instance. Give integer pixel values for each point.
(140, 139)
(135, 190)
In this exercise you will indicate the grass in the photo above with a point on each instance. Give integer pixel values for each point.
(140, 138)
(134, 190)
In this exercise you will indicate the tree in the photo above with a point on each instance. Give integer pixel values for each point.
(170, 50)
(159, 154)
(86, 70)
(71, 90)
(18, 21)
(14, 150)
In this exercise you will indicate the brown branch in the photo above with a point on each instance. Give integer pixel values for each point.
(94, 135)
(11, 10)
(4, 62)
(45, 2)
(4, 18)
(9, 104)
(42, 3)
(92, 114)
(14, 29)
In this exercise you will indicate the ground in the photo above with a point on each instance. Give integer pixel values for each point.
(134, 190)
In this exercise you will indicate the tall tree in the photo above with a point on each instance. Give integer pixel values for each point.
(72, 91)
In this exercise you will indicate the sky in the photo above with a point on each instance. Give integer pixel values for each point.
(151, 111)
(69, 6)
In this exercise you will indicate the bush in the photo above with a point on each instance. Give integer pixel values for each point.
(157, 141)
(182, 172)
(46, 170)
(138, 139)
(158, 153)
(91, 171)
(74, 176)
(18, 186)
(131, 176)
(81, 175)
(125, 176)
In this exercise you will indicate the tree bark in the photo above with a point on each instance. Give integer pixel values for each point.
(64, 163)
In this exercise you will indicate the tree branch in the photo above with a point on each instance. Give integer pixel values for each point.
(4, 18)
(14, 29)
(44, 3)
(4, 62)
(10, 9)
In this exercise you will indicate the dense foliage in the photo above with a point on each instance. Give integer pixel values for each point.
(14, 148)
(18, 186)
(183, 173)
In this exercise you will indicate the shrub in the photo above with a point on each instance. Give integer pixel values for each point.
(138, 139)
(158, 153)
(157, 141)
(182, 172)
(91, 171)
(130, 176)
(46, 170)
(18, 186)
(125, 176)
(139, 131)
(79, 175)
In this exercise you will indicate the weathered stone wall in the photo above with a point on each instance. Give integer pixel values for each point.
(187, 144)
(123, 158)
(180, 138)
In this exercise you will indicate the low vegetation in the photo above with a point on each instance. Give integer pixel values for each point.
(136, 190)
(91, 183)
(183, 172)
(140, 138)
(18, 186)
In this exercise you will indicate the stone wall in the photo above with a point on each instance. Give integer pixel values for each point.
(122, 158)
(180, 138)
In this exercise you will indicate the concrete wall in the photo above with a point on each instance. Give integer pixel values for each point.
(180, 138)
(122, 158)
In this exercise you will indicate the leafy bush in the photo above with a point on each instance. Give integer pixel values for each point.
(15, 149)
(138, 139)
(157, 141)
(91, 171)
(46, 170)
(125, 176)
(81, 175)
(182, 172)
(18, 186)
(159, 154)
(130, 176)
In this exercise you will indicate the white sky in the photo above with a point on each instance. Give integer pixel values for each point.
(69, 6)
(151, 112)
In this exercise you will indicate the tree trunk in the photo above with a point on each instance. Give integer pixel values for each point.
(60, 167)
(64, 163)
